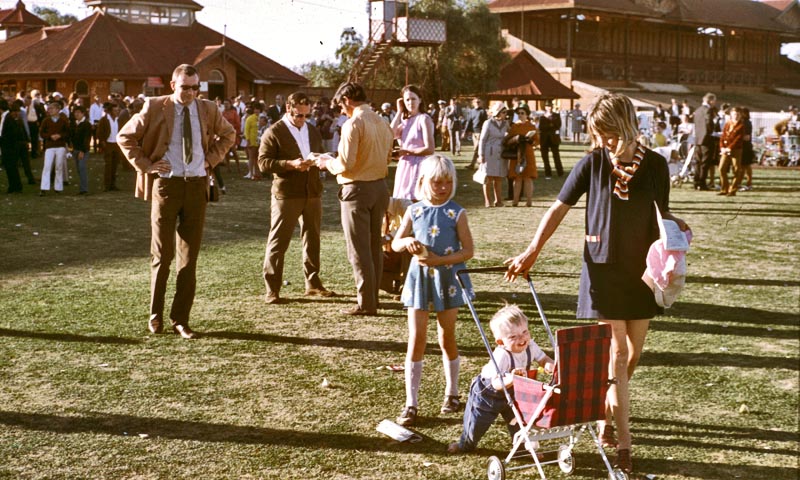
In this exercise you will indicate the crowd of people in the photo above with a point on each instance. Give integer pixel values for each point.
(723, 138)
(297, 141)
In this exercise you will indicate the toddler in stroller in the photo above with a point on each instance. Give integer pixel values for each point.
(395, 264)
(513, 356)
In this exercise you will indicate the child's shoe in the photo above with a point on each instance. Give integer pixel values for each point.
(407, 417)
(451, 404)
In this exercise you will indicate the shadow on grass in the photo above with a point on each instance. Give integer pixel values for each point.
(590, 464)
(694, 359)
(117, 425)
(739, 210)
(743, 281)
(67, 337)
(369, 345)
(688, 429)
(660, 325)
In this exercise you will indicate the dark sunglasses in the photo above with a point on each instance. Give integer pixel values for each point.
(300, 115)
(196, 88)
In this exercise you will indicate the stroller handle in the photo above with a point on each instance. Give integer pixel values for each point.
(460, 275)
(502, 269)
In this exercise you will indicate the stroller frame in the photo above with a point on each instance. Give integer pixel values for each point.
(534, 402)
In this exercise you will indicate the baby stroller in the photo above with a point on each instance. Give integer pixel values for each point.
(559, 411)
(680, 173)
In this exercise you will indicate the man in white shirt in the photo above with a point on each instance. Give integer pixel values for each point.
(296, 195)
(107, 129)
(96, 112)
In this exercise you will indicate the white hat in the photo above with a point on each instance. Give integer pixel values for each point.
(386, 105)
(497, 108)
(58, 94)
(442, 102)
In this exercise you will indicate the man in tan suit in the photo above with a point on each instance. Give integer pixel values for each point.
(173, 143)
(361, 166)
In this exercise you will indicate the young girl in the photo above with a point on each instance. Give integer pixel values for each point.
(436, 232)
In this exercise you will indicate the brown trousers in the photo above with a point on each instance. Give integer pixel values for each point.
(285, 214)
(112, 156)
(726, 161)
(445, 138)
(177, 217)
(364, 205)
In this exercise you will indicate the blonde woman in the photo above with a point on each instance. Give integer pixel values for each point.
(622, 180)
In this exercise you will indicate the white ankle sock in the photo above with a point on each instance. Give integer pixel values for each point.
(451, 368)
(413, 376)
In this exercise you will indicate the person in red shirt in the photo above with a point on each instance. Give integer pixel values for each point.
(730, 149)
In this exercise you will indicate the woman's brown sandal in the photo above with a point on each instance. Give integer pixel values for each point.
(624, 461)
(608, 437)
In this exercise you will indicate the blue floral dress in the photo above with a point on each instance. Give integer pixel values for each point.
(435, 288)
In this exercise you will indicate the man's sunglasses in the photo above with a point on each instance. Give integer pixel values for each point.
(300, 115)
(196, 88)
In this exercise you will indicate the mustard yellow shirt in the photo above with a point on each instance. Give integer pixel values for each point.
(365, 148)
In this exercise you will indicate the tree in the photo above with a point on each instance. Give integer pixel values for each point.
(331, 74)
(53, 16)
(468, 63)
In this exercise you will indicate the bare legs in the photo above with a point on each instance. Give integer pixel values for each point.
(519, 184)
(627, 342)
(418, 330)
(492, 184)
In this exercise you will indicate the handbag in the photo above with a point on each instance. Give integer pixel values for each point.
(510, 145)
(480, 174)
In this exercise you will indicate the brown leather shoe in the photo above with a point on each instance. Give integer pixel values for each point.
(184, 331)
(155, 324)
(319, 292)
(624, 461)
(358, 311)
(273, 299)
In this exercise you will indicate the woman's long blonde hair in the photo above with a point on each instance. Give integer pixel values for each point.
(613, 114)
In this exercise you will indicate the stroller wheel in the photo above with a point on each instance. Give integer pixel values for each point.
(495, 469)
(566, 462)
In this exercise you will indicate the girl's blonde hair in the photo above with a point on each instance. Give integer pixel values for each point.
(505, 318)
(613, 114)
(432, 168)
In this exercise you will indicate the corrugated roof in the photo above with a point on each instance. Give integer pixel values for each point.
(614, 6)
(524, 77)
(728, 13)
(102, 45)
(720, 13)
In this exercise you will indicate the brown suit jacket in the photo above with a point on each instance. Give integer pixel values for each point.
(104, 128)
(279, 146)
(146, 136)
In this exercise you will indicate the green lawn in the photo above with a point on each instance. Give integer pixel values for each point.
(88, 393)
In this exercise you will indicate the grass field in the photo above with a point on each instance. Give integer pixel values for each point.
(87, 393)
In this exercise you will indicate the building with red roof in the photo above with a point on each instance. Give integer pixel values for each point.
(132, 47)
(708, 45)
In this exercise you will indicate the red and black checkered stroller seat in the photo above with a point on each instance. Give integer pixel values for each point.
(579, 384)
